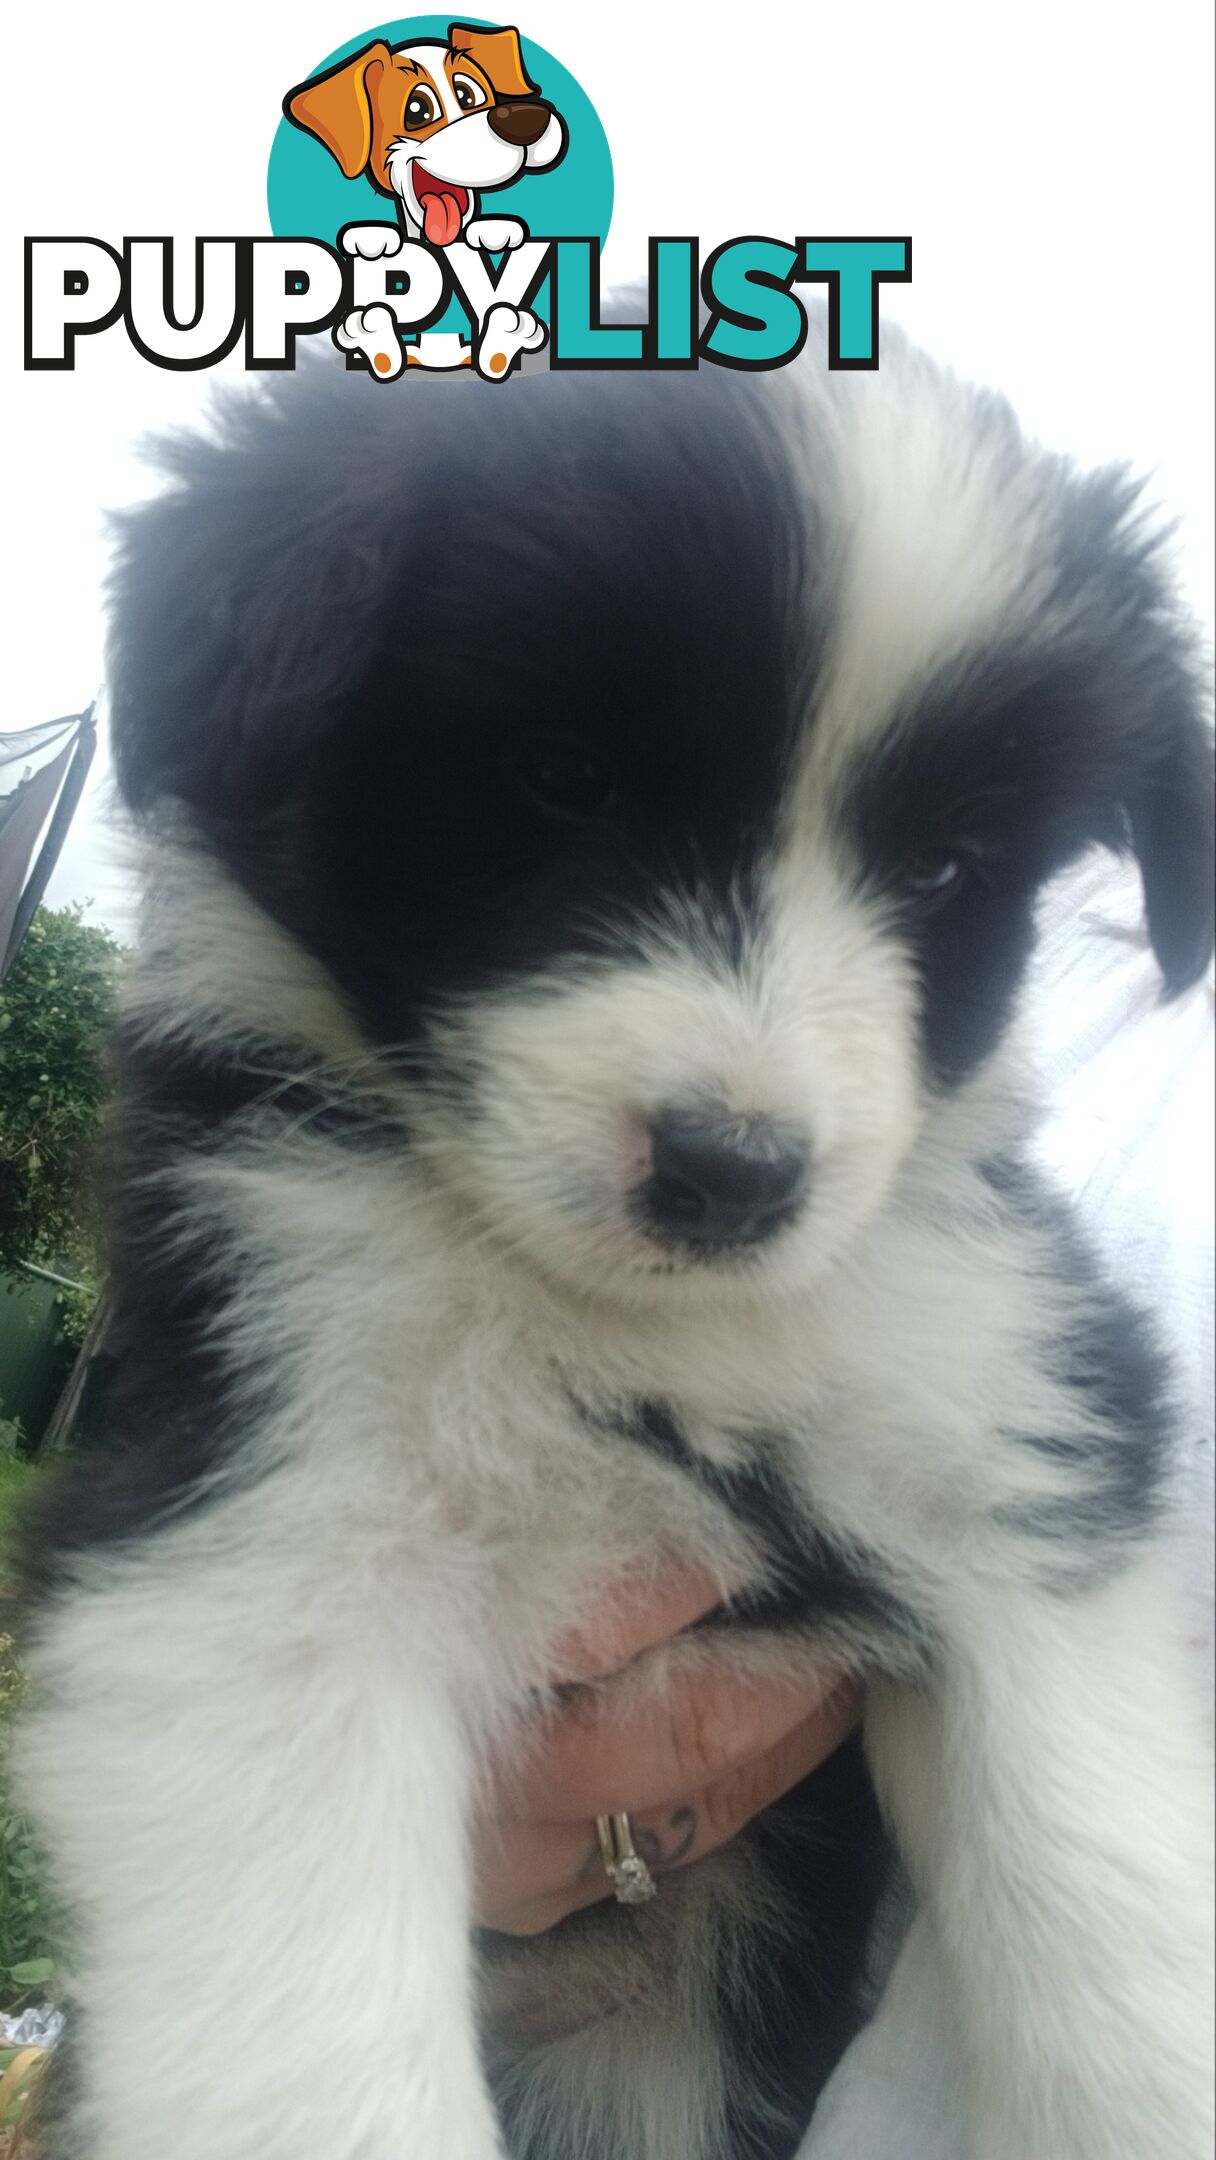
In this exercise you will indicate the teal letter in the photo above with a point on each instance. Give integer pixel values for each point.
(756, 321)
(853, 270)
(577, 340)
(673, 280)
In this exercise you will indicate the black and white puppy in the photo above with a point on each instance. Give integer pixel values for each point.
(572, 1119)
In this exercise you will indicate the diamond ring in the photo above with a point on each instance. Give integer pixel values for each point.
(631, 1879)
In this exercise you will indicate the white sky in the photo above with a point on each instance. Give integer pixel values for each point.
(1052, 161)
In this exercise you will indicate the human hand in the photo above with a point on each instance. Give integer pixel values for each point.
(690, 1767)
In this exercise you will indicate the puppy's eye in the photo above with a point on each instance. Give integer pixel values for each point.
(420, 109)
(933, 874)
(469, 95)
(563, 777)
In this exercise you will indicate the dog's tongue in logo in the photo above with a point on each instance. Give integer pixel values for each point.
(441, 219)
(442, 203)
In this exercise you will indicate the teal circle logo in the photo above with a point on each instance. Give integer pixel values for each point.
(307, 191)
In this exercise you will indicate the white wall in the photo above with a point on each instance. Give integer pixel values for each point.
(1052, 162)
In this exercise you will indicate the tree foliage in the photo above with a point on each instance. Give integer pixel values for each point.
(56, 1004)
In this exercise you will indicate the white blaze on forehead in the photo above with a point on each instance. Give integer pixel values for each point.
(433, 75)
(941, 526)
(843, 993)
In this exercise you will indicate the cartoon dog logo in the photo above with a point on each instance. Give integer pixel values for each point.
(434, 126)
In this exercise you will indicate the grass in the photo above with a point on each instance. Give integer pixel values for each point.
(15, 1474)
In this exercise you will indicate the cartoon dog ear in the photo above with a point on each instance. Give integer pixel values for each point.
(499, 56)
(336, 107)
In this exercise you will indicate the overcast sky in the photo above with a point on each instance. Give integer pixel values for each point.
(1052, 161)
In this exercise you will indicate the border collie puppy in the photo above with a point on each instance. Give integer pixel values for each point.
(571, 1119)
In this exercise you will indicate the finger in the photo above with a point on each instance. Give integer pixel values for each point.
(635, 1618)
(595, 1758)
(557, 1869)
(725, 1807)
(528, 1861)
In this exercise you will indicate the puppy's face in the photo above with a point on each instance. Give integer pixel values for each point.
(665, 770)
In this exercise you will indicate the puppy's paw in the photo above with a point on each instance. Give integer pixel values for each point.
(371, 242)
(372, 331)
(495, 233)
(505, 333)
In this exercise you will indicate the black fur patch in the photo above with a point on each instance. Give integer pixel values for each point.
(203, 1094)
(825, 1851)
(1108, 1358)
(350, 647)
(1017, 758)
(813, 1577)
(169, 1411)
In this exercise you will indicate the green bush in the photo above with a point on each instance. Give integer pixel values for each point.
(56, 1004)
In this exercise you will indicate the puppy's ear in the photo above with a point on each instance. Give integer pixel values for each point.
(337, 107)
(244, 598)
(499, 56)
(1171, 813)
(1142, 746)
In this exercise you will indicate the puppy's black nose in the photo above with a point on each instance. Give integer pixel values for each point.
(718, 1180)
(520, 124)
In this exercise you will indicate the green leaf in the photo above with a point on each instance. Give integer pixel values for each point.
(32, 1972)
